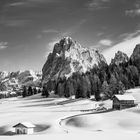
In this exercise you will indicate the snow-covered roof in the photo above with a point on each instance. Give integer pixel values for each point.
(125, 97)
(26, 124)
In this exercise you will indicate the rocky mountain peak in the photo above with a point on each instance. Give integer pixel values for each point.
(136, 52)
(63, 45)
(69, 57)
(120, 57)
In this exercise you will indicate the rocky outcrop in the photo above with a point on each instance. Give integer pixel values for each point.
(69, 57)
(135, 57)
(3, 74)
(119, 58)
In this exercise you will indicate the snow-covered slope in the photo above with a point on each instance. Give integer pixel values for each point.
(54, 121)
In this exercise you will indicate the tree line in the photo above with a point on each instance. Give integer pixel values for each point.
(28, 91)
(102, 81)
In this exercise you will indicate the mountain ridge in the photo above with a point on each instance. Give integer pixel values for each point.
(13, 80)
(74, 70)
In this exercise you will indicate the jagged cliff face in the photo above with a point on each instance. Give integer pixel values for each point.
(135, 57)
(119, 58)
(69, 57)
(3, 74)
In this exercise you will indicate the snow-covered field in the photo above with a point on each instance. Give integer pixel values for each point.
(57, 118)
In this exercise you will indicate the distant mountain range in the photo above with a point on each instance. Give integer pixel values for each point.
(13, 80)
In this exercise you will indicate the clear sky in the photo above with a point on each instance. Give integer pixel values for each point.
(29, 28)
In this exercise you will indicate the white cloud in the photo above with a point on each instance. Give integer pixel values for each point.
(50, 31)
(30, 3)
(40, 0)
(73, 29)
(14, 22)
(98, 4)
(127, 36)
(105, 42)
(133, 12)
(100, 34)
(127, 46)
(3, 45)
(17, 4)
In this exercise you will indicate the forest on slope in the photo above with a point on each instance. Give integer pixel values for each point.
(101, 80)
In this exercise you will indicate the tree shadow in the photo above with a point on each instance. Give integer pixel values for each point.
(39, 105)
(9, 133)
(41, 127)
(5, 131)
(68, 101)
(37, 101)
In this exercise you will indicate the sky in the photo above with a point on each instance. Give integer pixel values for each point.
(29, 28)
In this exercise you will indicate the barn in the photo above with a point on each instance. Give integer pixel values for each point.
(123, 101)
(24, 128)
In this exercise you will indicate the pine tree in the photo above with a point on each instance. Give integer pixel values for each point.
(60, 89)
(95, 87)
(105, 90)
(34, 90)
(24, 93)
(84, 87)
(113, 86)
(69, 89)
(121, 87)
(45, 91)
(78, 92)
(124, 80)
(30, 91)
(135, 75)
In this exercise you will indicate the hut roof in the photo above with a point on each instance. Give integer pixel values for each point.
(25, 124)
(125, 97)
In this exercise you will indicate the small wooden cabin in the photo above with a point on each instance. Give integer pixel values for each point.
(123, 101)
(24, 128)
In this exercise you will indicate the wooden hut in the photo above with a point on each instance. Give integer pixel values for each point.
(24, 128)
(123, 101)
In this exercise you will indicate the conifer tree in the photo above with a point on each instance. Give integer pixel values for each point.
(30, 91)
(24, 93)
(105, 90)
(113, 86)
